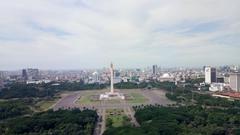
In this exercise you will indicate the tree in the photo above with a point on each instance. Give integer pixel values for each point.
(109, 122)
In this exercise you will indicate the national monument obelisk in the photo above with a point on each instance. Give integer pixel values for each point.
(112, 72)
(112, 94)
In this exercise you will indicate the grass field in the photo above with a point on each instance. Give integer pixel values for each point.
(117, 121)
(114, 101)
(117, 117)
(114, 111)
(45, 104)
(137, 98)
(86, 99)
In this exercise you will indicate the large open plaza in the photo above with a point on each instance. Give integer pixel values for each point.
(89, 99)
(131, 97)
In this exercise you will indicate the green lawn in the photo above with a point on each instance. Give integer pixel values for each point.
(45, 104)
(116, 111)
(113, 101)
(117, 120)
(137, 98)
(117, 117)
(86, 99)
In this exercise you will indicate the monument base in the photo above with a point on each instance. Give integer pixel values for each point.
(111, 95)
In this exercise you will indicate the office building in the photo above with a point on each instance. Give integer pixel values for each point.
(95, 77)
(234, 81)
(1, 75)
(154, 70)
(210, 75)
(30, 74)
(24, 74)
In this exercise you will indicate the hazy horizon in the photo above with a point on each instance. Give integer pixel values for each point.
(81, 34)
(118, 67)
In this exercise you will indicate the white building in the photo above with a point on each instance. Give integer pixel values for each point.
(234, 81)
(38, 81)
(125, 79)
(166, 77)
(95, 77)
(216, 87)
(210, 75)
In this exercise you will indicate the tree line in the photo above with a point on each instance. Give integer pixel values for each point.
(13, 108)
(61, 122)
(184, 120)
(20, 90)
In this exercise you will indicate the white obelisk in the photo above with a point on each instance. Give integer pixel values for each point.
(111, 70)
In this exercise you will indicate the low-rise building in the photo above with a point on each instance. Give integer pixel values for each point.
(216, 87)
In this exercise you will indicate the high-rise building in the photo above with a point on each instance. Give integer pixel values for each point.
(204, 68)
(30, 74)
(154, 70)
(234, 81)
(210, 75)
(95, 76)
(24, 74)
(1, 75)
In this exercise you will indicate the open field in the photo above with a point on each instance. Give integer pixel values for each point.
(117, 117)
(117, 120)
(86, 99)
(45, 104)
(114, 111)
(137, 98)
(91, 97)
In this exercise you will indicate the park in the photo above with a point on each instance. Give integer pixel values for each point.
(117, 111)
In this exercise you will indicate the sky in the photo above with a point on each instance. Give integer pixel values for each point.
(77, 34)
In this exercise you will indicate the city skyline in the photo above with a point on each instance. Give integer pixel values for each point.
(104, 67)
(81, 34)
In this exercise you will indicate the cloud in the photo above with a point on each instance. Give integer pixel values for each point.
(73, 34)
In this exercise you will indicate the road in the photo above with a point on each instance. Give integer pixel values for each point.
(67, 101)
(128, 110)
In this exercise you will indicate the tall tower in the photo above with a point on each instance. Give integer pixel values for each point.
(210, 75)
(235, 81)
(24, 74)
(111, 70)
(111, 95)
(154, 70)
